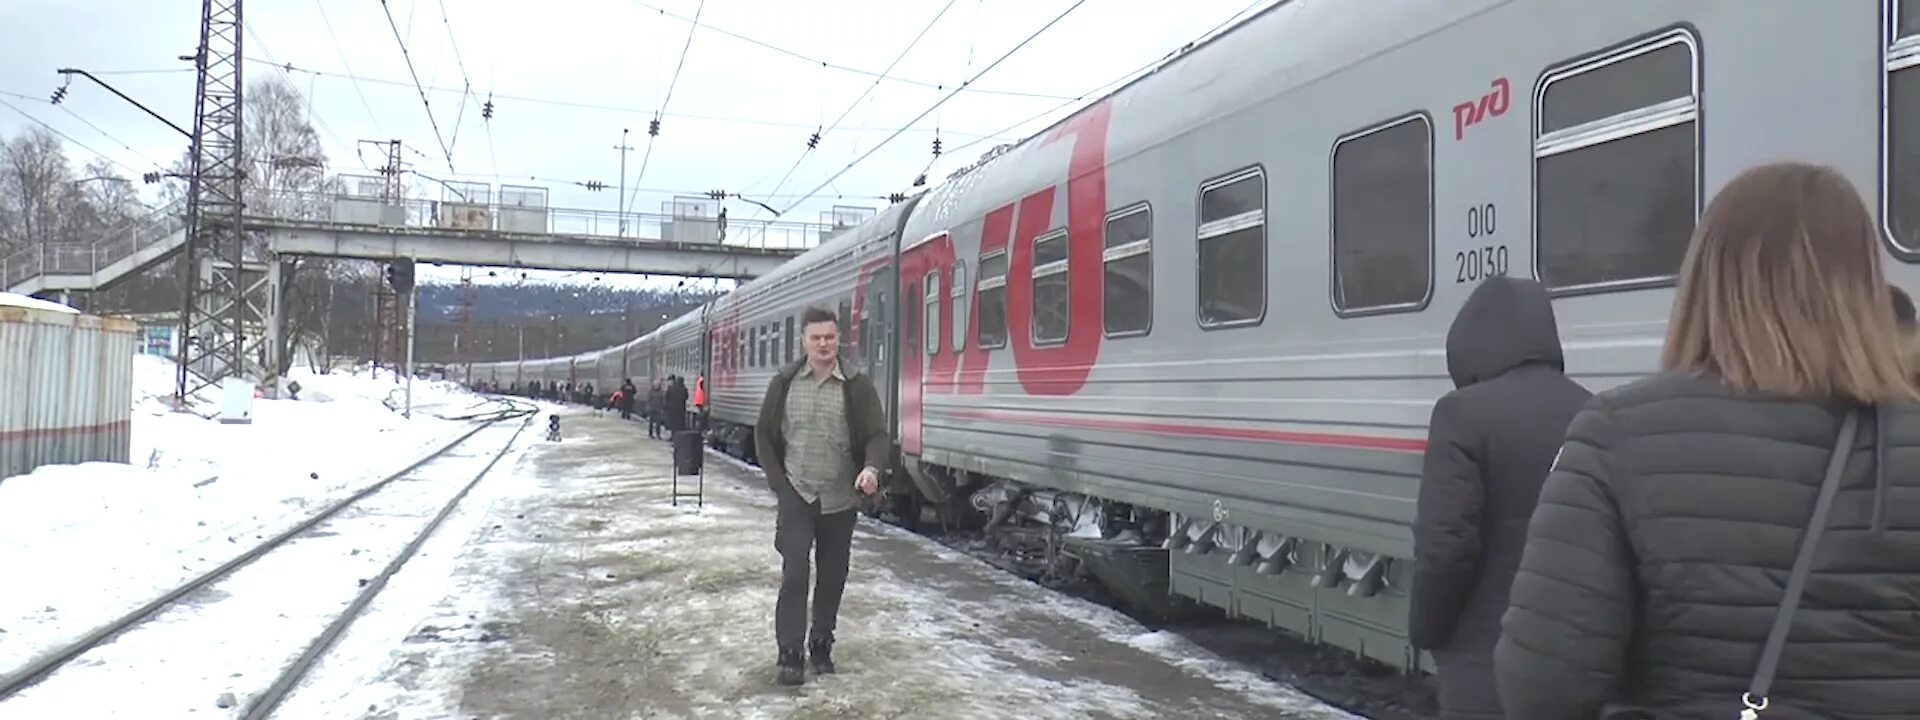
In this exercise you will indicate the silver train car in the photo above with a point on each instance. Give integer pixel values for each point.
(1200, 323)
(755, 331)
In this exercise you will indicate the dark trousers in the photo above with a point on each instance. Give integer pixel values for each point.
(799, 528)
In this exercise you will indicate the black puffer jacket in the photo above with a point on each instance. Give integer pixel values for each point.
(1489, 445)
(1662, 545)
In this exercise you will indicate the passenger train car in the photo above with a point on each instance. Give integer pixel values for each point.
(1202, 320)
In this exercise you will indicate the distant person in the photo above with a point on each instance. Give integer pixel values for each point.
(821, 436)
(1663, 549)
(627, 391)
(656, 408)
(676, 409)
(1490, 443)
(700, 402)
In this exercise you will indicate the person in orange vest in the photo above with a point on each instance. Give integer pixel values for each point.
(700, 401)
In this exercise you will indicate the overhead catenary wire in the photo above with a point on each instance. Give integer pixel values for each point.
(290, 67)
(822, 135)
(1102, 90)
(416, 83)
(304, 99)
(109, 136)
(653, 136)
(64, 136)
(943, 100)
(328, 23)
(466, 82)
(694, 21)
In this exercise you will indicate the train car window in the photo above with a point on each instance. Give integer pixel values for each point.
(1127, 275)
(910, 321)
(1233, 250)
(1901, 202)
(1050, 319)
(932, 313)
(1616, 167)
(1383, 217)
(992, 300)
(959, 307)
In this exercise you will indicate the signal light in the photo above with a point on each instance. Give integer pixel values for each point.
(400, 275)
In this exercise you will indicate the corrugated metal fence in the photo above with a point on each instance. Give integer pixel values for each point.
(66, 388)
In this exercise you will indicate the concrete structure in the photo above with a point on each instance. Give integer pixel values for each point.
(515, 233)
(66, 386)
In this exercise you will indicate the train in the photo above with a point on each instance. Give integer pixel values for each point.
(1191, 334)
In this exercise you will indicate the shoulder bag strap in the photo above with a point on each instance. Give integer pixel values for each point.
(1755, 698)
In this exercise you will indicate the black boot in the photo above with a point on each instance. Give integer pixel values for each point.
(820, 655)
(791, 670)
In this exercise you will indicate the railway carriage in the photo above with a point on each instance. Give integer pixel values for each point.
(1198, 326)
(755, 330)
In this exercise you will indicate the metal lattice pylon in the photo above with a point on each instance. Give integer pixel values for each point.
(228, 300)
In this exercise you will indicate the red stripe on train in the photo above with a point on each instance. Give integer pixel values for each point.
(1290, 437)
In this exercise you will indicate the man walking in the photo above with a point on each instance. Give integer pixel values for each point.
(821, 435)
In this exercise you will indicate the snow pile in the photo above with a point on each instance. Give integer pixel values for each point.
(83, 544)
(16, 300)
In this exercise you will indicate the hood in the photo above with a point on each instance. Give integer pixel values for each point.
(1507, 322)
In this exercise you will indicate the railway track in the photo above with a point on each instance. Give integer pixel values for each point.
(242, 636)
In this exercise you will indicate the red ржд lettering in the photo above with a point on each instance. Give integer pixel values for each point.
(1493, 104)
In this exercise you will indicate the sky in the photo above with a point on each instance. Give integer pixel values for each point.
(738, 94)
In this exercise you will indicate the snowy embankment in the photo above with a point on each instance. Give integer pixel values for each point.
(81, 545)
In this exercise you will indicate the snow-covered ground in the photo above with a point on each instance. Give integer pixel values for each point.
(81, 545)
(283, 600)
(17, 300)
(569, 586)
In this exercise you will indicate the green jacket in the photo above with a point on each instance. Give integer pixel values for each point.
(866, 420)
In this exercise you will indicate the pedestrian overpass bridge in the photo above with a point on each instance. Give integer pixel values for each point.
(689, 241)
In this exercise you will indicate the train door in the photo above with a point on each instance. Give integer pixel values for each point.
(912, 358)
(877, 335)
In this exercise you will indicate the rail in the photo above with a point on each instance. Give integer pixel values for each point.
(43, 666)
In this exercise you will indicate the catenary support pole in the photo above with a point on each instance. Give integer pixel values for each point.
(411, 313)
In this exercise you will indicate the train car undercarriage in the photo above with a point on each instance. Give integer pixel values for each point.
(1156, 561)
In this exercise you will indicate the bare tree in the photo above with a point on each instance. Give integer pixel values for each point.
(33, 180)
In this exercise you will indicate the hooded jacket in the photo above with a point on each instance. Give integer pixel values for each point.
(1490, 443)
(1659, 554)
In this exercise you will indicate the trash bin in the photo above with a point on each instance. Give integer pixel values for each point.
(687, 452)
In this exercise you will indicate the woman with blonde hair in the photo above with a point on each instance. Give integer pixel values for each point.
(1689, 558)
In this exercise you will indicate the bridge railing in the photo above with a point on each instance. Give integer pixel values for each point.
(110, 245)
(525, 219)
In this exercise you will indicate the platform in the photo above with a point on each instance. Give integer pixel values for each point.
(580, 591)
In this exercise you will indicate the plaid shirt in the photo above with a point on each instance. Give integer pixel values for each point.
(819, 460)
